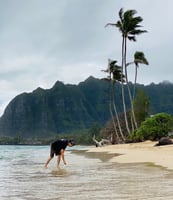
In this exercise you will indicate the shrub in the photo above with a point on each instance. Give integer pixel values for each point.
(153, 128)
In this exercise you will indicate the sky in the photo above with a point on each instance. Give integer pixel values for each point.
(43, 41)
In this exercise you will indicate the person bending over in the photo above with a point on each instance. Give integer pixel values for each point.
(58, 148)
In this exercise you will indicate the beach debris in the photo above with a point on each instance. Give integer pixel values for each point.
(102, 142)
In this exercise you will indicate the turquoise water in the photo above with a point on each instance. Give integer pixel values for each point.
(86, 176)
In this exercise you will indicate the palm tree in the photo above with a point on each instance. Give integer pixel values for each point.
(129, 26)
(114, 76)
(139, 58)
(109, 78)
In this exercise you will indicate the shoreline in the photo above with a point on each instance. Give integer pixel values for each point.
(143, 152)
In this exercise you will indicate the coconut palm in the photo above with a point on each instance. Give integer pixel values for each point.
(139, 58)
(129, 26)
(114, 76)
(116, 71)
(109, 78)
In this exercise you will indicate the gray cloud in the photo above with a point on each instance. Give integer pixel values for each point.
(48, 40)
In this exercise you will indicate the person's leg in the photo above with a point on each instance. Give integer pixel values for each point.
(58, 160)
(51, 156)
(47, 162)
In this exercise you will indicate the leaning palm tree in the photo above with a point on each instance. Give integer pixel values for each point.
(129, 26)
(109, 78)
(114, 76)
(139, 58)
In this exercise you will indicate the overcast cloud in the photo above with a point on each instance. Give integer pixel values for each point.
(42, 41)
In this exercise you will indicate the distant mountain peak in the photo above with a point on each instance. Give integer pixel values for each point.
(91, 78)
(38, 90)
(58, 84)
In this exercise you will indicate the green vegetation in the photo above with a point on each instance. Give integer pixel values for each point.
(153, 128)
(136, 127)
(82, 137)
(9, 140)
(129, 27)
(141, 106)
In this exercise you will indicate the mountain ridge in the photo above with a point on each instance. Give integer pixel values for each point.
(66, 107)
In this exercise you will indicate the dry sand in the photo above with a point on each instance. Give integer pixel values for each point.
(144, 152)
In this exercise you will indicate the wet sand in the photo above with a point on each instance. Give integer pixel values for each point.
(143, 152)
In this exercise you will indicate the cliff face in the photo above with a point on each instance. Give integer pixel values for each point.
(66, 108)
(62, 108)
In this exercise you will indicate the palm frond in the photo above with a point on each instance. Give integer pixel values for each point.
(139, 57)
(129, 25)
(110, 24)
(132, 38)
(121, 11)
(137, 32)
(129, 14)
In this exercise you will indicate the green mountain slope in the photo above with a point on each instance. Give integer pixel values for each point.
(65, 108)
(62, 108)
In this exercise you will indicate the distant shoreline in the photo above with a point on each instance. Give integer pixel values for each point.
(144, 152)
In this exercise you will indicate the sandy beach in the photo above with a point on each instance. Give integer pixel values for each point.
(144, 152)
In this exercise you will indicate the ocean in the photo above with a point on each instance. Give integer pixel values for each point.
(87, 176)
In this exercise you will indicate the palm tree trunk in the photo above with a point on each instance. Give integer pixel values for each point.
(134, 88)
(129, 92)
(117, 118)
(110, 109)
(122, 87)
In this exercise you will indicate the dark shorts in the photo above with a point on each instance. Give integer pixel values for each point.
(52, 152)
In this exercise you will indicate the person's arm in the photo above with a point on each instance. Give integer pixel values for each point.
(63, 157)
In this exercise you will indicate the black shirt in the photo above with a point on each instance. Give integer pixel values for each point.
(59, 144)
